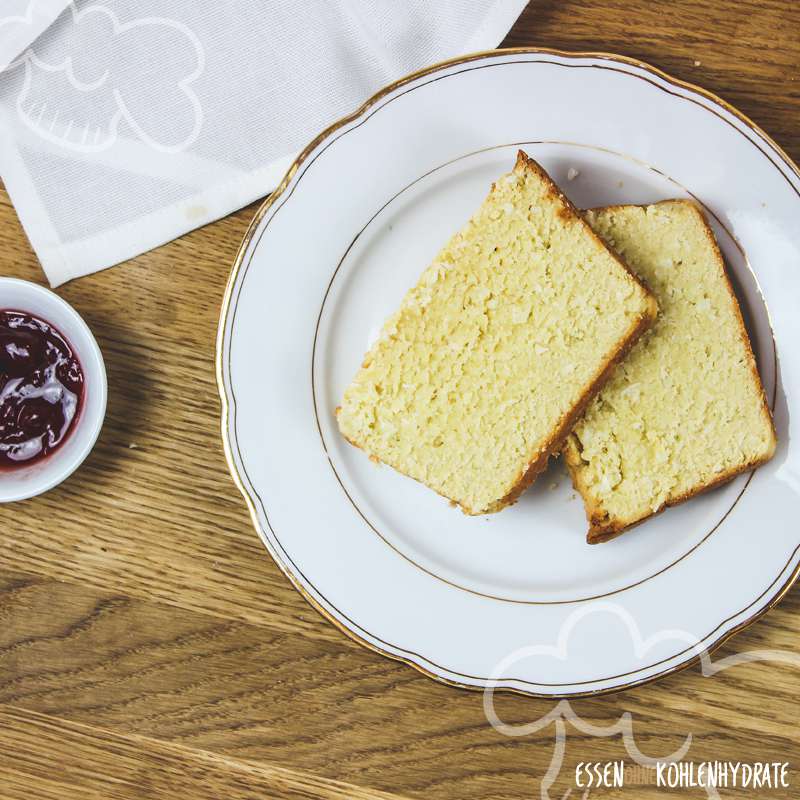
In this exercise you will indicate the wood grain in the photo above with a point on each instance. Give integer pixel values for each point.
(31, 746)
(150, 648)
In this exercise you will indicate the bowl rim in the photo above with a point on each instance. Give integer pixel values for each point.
(55, 471)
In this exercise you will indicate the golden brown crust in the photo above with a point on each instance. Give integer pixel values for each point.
(554, 445)
(538, 460)
(601, 527)
(743, 335)
(568, 211)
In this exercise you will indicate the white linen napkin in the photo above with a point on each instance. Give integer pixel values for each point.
(127, 123)
(22, 21)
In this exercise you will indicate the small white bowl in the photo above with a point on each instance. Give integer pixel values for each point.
(25, 482)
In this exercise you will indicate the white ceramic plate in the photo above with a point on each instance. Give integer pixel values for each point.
(517, 598)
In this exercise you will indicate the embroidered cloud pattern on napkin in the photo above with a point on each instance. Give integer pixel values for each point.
(96, 86)
(127, 123)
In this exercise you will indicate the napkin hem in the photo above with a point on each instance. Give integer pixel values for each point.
(498, 21)
(63, 261)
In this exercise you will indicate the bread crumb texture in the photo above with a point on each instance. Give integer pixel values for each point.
(686, 408)
(494, 347)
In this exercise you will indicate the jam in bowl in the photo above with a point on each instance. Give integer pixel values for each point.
(53, 390)
(41, 389)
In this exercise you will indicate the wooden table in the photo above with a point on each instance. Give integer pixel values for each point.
(149, 647)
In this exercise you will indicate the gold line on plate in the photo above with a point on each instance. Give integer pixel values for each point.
(225, 312)
(385, 538)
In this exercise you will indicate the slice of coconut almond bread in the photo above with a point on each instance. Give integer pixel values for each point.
(686, 409)
(490, 359)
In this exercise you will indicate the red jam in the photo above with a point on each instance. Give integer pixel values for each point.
(41, 389)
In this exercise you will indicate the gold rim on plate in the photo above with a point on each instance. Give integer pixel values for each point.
(225, 415)
(384, 537)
